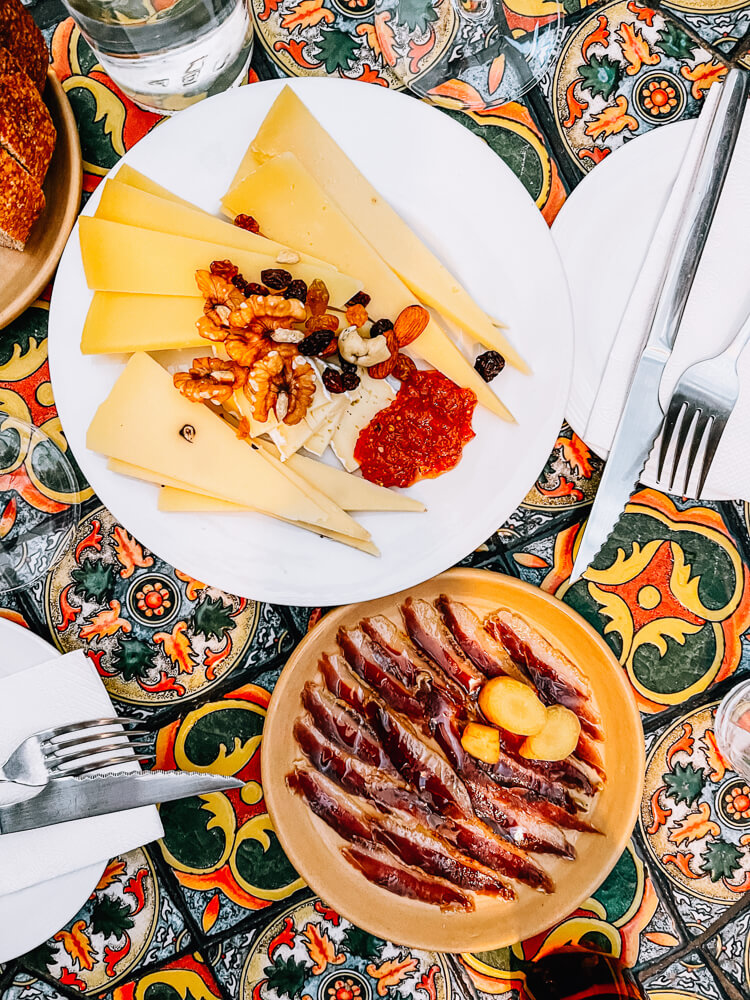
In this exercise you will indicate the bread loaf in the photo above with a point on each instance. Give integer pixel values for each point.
(26, 129)
(21, 202)
(8, 62)
(24, 41)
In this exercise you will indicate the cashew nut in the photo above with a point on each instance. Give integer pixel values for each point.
(363, 351)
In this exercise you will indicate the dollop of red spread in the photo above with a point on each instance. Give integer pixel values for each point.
(420, 435)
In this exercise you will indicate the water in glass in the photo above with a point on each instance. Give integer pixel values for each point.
(167, 54)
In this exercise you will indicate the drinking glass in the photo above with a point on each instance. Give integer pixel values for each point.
(578, 974)
(167, 54)
(732, 729)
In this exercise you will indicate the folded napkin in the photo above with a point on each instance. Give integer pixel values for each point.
(718, 304)
(60, 691)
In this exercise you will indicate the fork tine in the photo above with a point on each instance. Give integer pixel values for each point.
(56, 759)
(51, 746)
(49, 734)
(700, 429)
(675, 407)
(98, 765)
(682, 434)
(712, 443)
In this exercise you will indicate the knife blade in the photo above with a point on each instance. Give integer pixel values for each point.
(65, 799)
(642, 417)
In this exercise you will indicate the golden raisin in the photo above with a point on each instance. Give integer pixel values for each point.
(356, 315)
(317, 297)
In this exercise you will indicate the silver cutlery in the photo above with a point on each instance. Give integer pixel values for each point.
(74, 750)
(705, 396)
(641, 418)
(71, 798)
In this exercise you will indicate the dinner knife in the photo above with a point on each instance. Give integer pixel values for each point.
(642, 417)
(65, 799)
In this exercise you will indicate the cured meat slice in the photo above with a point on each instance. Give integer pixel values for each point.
(483, 649)
(396, 644)
(476, 839)
(554, 813)
(557, 679)
(368, 660)
(340, 682)
(381, 868)
(344, 725)
(426, 629)
(329, 804)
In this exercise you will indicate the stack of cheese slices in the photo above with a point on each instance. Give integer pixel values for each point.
(140, 252)
(27, 135)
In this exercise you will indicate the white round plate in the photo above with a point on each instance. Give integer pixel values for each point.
(32, 915)
(603, 232)
(471, 209)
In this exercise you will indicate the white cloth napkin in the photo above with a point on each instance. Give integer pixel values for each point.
(718, 304)
(55, 693)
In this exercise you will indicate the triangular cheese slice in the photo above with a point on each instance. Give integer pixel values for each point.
(134, 178)
(173, 500)
(147, 422)
(118, 323)
(132, 207)
(119, 258)
(295, 207)
(290, 127)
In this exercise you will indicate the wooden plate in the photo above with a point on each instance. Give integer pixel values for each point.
(312, 847)
(24, 275)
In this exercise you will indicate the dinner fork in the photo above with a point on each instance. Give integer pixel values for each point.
(73, 750)
(705, 395)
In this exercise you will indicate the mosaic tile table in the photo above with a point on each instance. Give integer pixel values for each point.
(215, 910)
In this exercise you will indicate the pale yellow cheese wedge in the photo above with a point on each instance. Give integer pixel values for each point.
(119, 258)
(296, 208)
(290, 127)
(321, 439)
(147, 422)
(134, 178)
(370, 397)
(180, 501)
(118, 323)
(131, 207)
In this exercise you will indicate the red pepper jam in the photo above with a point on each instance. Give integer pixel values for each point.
(420, 435)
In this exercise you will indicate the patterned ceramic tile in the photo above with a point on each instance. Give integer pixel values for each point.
(720, 22)
(623, 70)
(222, 847)
(544, 561)
(686, 979)
(731, 947)
(669, 592)
(185, 978)
(129, 920)
(156, 635)
(309, 950)
(28, 987)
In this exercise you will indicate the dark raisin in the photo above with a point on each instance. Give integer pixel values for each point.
(276, 278)
(333, 380)
(348, 366)
(239, 282)
(297, 289)
(380, 326)
(223, 269)
(360, 299)
(314, 344)
(247, 222)
(253, 288)
(489, 365)
(350, 380)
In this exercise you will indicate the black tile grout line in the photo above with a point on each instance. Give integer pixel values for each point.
(544, 118)
(697, 942)
(724, 980)
(653, 723)
(9, 974)
(741, 47)
(258, 919)
(166, 873)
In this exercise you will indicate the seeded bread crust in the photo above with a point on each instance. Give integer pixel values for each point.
(21, 202)
(20, 35)
(8, 62)
(26, 129)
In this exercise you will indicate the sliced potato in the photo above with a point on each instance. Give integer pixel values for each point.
(512, 705)
(557, 740)
(482, 742)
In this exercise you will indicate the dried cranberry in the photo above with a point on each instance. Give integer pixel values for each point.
(333, 380)
(297, 289)
(223, 269)
(380, 326)
(276, 278)
(253, 288)
(489, 365)
(404, 368)
(350, 380)
(360, 299)
(247, 222)
(315, 344)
